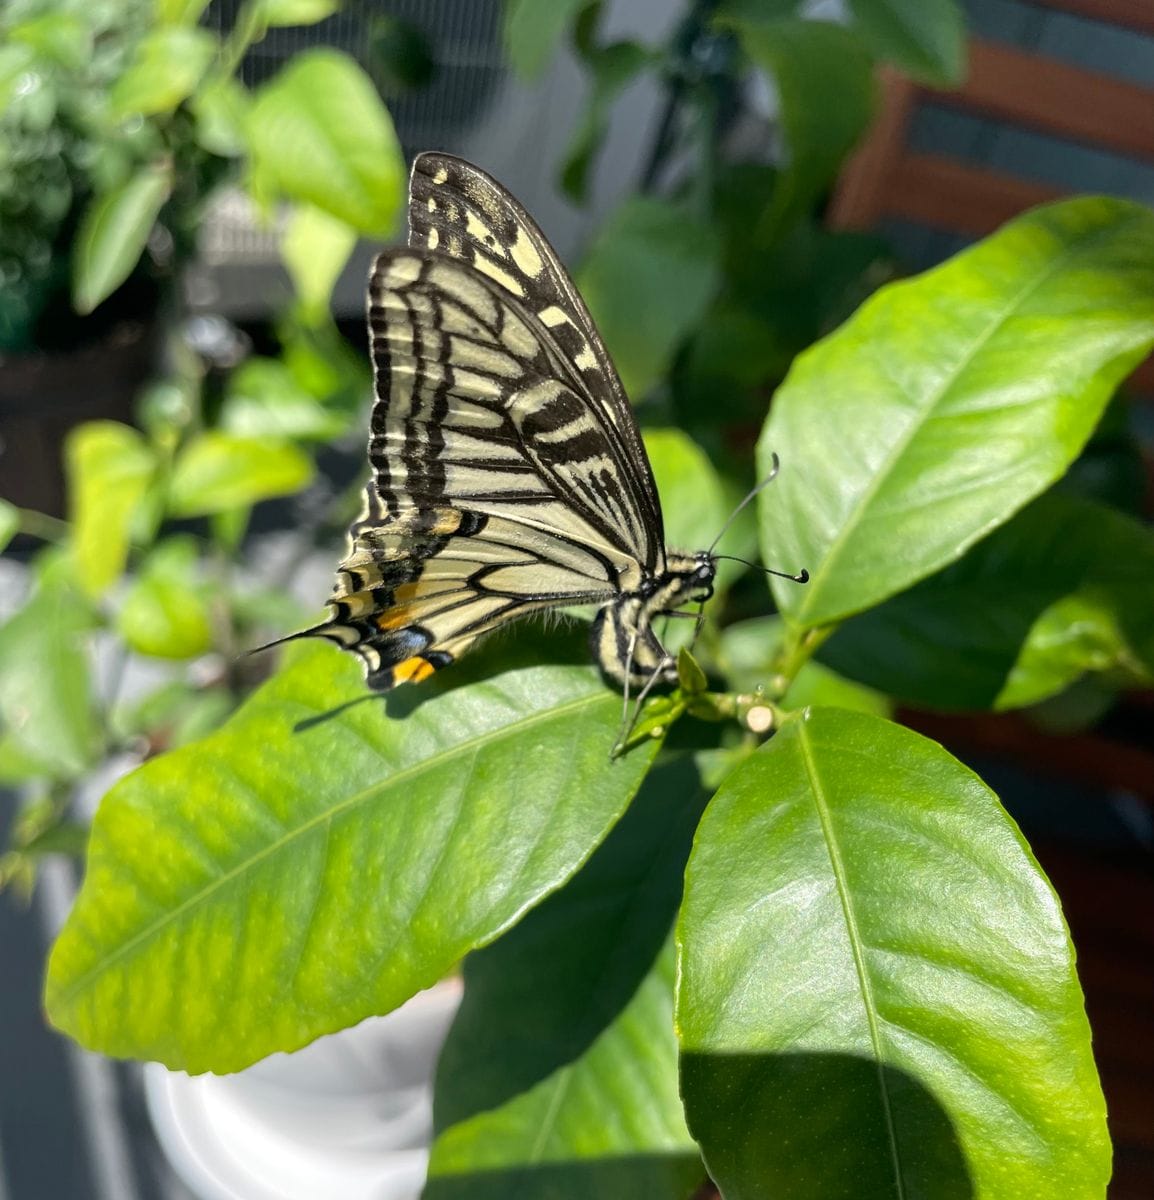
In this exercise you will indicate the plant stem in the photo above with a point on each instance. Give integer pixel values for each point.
(40, 525)
(797, 649)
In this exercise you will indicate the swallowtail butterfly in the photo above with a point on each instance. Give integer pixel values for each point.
(508, 474)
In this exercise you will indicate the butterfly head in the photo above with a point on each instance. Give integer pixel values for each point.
(688, 579)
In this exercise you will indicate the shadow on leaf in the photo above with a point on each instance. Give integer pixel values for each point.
(834, 1126)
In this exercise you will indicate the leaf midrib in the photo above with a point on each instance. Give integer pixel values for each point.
(900, 446)
(856, 945)
(470, 745)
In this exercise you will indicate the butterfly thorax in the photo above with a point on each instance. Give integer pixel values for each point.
(623, 640)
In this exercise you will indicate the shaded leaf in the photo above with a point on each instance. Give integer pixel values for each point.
(926, 38)
(1064, 588)
(114, 232)
(165, 613)
(607, 1124)
(219, 471)
(611, 69)
(315, 248)
(320, 134)
(746, 657)
(825, 89)
(950, 400)
(399, 56)
(877, 993)
(532, 31)
(170, 61)
(648, 280)
(109, 468)
(330, 852)
(540, 996)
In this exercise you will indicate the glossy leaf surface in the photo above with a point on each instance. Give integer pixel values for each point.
(329, 852)
(114, 232)
(9, 523)
(321, 135)
(109, 468)
(877, 994)
(1064, 588)
(950, 400)
(648, 279)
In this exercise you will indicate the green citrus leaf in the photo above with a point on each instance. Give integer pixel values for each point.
(562, 1063)
(926, 38)
(825, 89)
(320, 135)
(165, 612)
(950, 400)
(170, 61)
(533, 31)
(1064, 588)
(219, 471)
(109, 468)
(265, 399)
(315, 248)
(47, 713)
(297, 12)
(329, 852)
(648, 280)
(114, 232)
(608, 1124)
(877, 993)
(9, 522)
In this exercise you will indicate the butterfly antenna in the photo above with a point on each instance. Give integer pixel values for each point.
(801, 577)
(750, 495)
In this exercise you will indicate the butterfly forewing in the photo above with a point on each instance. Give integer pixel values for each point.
(458, 210)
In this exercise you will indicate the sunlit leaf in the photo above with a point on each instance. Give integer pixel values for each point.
(221, 110)
(114, 232)
(169, 63)
(165, 612)
(297, 12)
(220, 471)
(329, 852)
(315, 248)
(950, 400)
(1065, 587)
(109, 468)
(264, 399)
(9, 522)
(877, 993)
(321, 135)
(648, 280)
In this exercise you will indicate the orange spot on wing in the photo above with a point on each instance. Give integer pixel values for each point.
(412, 670)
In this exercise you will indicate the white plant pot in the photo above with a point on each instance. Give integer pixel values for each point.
(347, 1117)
